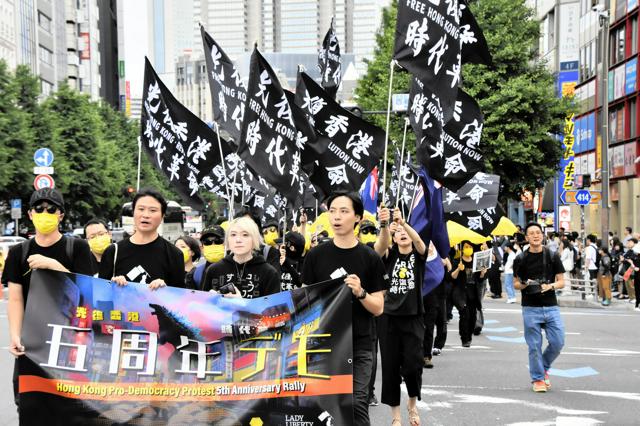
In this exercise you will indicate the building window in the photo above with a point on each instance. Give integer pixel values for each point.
(44, 22)
(46, 55)
(632, 119)
(45, 87)
(634, 36)
(617, 45)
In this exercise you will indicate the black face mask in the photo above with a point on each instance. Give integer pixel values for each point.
(293, 254)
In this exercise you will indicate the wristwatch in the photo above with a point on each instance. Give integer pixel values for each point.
(362, 295)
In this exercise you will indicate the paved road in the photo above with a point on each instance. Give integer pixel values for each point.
(597, 379)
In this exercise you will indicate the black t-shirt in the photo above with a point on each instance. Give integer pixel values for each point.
(327, 259)
(406, 273)
(95, 265)
(255, 278)
(466, 277)
(143, 263)
(18, 272)
(290, 274)
(530, 266)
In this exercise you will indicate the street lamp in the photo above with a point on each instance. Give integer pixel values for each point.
(603, 18)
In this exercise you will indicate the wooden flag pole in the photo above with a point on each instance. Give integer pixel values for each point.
(399, 166)
(386, 138)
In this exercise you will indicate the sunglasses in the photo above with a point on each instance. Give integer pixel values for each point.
(368, 231)
(49, 209)
(212, 240)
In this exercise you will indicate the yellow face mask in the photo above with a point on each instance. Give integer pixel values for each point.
(45, 223)
(99, 244)
(213, 253)
(186, 254)
(368, 238)
(467, 252)
(270, 238)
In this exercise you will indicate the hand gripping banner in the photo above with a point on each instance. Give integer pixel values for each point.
(97, 353)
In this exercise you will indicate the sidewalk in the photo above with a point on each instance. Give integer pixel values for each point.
(575, 300)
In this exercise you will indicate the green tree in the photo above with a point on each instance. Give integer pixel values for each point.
(516, 95)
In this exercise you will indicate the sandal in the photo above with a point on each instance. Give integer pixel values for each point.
(414, 417)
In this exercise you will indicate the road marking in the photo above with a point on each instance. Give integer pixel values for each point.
(608, 350)
(472, 347)
(563, 312)
(506, 339)
(595, 354)
(573, 373)
(572, 333)
(491, 321)
(483, 399)
(619, 395)
(576, 421)
(500, 329)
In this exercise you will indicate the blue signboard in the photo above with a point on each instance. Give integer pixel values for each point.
(566, 80)
(16, 203)
(578, 136)
(43, 157)
(631, 71)
(583, 197)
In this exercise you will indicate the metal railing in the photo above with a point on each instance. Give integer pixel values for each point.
(584, 287)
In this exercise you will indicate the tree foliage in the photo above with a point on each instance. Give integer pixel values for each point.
(516, 95)
(95, 148)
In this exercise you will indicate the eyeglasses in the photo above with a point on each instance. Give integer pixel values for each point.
(41, 208)
(99, 234)
(269, 229)
(212, 240)
(368, 231)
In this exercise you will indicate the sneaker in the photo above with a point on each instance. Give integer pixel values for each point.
(637, 308)
(539, 386)
(631, 300)
(436, 351)
(606, 302)
(511, 300)
(547, 381)
(427, 362)
(373, 401)
(466, 344)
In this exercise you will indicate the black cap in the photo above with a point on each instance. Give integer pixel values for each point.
(53, 196)
(215, 230)
(367, 224)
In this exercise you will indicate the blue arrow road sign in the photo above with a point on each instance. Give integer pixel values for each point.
(583, 197)
(16, 203)
(43, 157)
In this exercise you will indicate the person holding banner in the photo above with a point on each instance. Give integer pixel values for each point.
(98, 236)
(466, 293)
(244, 272)
(145, 257)
(401, 328)
(364, 274)
(49, 249)
(190, 248)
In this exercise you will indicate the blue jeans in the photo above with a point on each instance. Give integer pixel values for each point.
(536, 319)
(508, 285)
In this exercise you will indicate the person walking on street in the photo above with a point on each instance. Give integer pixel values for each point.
(538, 273)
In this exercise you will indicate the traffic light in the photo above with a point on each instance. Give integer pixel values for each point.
(128, 191)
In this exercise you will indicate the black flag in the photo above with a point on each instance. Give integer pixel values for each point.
(330, 63)
(404, 179)
(268, 139)
(228, 93)
(474, 46)
(481, 192)
(482, 221)
(425, 116)
(353, 145)
(456, 157)
(177, 141)
(427, 44)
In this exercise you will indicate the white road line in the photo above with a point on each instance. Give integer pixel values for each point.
(576, 421)
(564, 312)
(595, 354)
(608, 350)
(620, 395)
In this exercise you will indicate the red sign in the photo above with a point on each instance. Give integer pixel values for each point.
(85, 51)
(43, 181)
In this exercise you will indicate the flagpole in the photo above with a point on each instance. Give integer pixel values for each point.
(399, 166)
(233, 190)
(386, 138)
(139, 159)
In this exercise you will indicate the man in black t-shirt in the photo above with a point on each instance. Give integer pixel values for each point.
(538, 273)
(145, 257)
(49, 249)
(365, 275)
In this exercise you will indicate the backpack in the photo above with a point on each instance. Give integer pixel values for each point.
(25, 249)
(198, 274)
(598, 257)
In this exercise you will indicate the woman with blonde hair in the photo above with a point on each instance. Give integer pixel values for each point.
(244, 272)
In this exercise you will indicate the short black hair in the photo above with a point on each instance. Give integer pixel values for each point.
(628, 228)
(94, 221)
(592, 238)
(149, 192)
(634, 239)
(193, 244)
(356, 202)
(530, 224)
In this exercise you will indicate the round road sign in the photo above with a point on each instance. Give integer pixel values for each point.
(43, 181)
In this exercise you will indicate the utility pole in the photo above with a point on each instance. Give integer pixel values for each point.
(603, 17)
